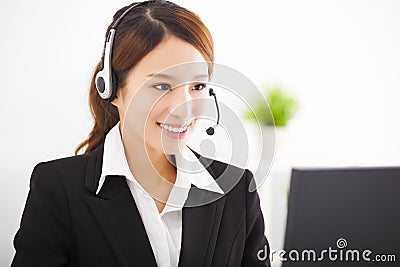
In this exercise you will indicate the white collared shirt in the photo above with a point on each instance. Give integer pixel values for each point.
(163, 229)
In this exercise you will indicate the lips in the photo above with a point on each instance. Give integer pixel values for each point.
(173, 127)
(176, 131)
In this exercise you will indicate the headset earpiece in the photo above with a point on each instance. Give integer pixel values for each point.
(103, 82)
(100, 84)
(106, 81)
(104, 76)
(114, 82)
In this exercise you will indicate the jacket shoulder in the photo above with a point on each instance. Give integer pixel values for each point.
(70, 169)
(65, 162)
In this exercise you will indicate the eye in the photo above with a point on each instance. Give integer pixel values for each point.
(163, 86)
(202, 86)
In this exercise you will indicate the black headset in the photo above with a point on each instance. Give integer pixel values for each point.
(106, 80)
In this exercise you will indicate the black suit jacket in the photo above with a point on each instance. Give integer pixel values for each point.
(65, 224)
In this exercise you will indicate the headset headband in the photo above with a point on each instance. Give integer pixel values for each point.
(106, 81)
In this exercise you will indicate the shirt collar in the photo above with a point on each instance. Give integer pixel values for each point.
(189, 168)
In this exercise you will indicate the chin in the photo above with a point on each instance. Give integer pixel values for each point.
(173, 147)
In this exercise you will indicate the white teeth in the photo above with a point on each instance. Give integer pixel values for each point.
(173, 129)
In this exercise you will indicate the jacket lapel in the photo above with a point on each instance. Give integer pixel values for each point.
(200, 222)
(200, 225)
(116, 213)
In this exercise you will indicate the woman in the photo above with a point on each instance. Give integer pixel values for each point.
(124, 202)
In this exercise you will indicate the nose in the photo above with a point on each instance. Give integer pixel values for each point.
(180, 103)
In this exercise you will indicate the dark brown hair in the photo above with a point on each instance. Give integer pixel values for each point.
(139, 32)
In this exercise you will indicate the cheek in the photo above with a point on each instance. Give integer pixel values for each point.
(139, 118)
(142, 107)
(154, 115)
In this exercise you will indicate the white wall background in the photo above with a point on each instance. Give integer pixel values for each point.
(341, 59)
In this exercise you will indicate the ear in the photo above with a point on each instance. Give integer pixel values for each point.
(115, 91)
(116, 101)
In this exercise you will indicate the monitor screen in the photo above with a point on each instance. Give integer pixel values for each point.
(343, 217)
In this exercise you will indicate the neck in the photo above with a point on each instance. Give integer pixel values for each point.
(151, 168)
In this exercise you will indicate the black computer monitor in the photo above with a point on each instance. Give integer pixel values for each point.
(343, 217)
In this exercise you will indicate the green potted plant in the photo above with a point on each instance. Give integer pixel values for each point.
(273, 117)
(282, 106)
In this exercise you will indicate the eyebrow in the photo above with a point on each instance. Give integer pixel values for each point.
(166, 76)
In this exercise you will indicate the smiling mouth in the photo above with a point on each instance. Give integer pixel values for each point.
(174, 128)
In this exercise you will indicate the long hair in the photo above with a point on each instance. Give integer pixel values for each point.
(139, 32)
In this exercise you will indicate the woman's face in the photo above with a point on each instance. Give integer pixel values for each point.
(150, 111)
